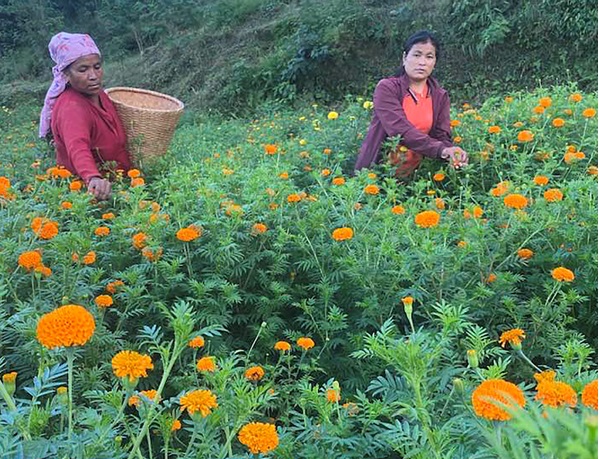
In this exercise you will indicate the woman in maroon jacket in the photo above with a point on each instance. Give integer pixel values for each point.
(415, 107)
(88, 134)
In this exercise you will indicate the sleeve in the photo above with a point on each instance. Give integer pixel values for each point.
(393, 118)
(74, 125)
(442, 128)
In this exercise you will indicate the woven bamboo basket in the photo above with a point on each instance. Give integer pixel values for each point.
(149, 119)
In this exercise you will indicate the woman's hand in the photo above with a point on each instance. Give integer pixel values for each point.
(456, 156)
(100, 188)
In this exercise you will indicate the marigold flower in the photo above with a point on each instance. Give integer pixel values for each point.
(439, 203)
(513, 337)
(196, 342)
(562, 274)
(293, 197)
(131, 365)
(189, 234)
(500, 189)
(525, 136)
(139, 240)
(133, 173)
(462, 244)
(494, 129)
(439, 177)
(491, 278)
(75, 185)
(558, 122)
(407, 300)
(333, 395)
(66, 205)
(206, 364)
(44, 228)
(150, 394)
(108, 216)
(89, 258)
(525, 253)
(152, 255)
(508, 99)
(539, 110)
(398, 210)
(254, 373)
(259, 437)
(455, 123)
(284, 175)
(371, 189)
(325, 172)
(259, 228)
(333, 115)
(338, 181)
(227, 171)
(368, 104)
(139, 181)
(515, 201)
(553, 195)
(112, 287)
(43, 270)
(371, 175)
(589, 112)
(282, 346)
(102, 231)
(305, 343)
(492, 392)
(592, 170)
(541, 180)
(576, 97)
(589, 395)
(427, 219)
(342, 234)
(555, 394)
(66, 326)
(568, 111)
(176, 425)
(457, 139)
(30, 260)
(545, 102)
(59, 172)
(104, 301)
(201, 401)
(270, 149)
(547, 375)
(9, 378)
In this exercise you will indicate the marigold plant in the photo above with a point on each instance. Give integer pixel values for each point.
(66, 326)
(131, 365)
(196, 342)
(515, 201)
(30, 260)
(104, 301)
(371, 189)
(525, 254)
(342, 234)
(513, 337)
(190, 233)
(206, 364)
(282, 346)
(553, 195)
(333, 395)
(562, 274)
(555, 394)
(305, 343)
(198, 401)
(255, 373)
(259, 437)
(525, 136)
(427, 219)
(488, 396)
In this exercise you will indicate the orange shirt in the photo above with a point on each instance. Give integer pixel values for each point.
(419, 113)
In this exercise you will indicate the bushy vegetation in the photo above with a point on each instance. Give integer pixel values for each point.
(357, 314)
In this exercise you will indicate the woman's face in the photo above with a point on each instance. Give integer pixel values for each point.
(85, 75)
(420, 61)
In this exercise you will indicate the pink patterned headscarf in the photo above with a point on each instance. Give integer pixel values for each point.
(65, 48)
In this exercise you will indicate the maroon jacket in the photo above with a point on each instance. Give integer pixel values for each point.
(389, 120)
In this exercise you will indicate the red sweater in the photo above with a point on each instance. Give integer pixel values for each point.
(87, 136)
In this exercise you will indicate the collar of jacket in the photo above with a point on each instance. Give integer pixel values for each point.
(404, 84)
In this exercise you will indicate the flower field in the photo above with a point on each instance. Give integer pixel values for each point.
(248, 296)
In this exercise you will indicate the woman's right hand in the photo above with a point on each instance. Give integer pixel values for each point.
(456, 156)
(100, 188)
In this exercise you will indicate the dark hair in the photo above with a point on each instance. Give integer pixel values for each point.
(422, 36)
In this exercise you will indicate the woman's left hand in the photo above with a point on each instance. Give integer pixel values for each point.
(456, 156)
(100, 188)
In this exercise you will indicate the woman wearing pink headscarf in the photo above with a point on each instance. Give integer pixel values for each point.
(88, 134)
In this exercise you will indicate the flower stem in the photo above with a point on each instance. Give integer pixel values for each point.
(70, 360)
(527, 360)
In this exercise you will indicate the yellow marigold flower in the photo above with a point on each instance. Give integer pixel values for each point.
(589, 112)
(133, 173)
(515, 201)
(439, 177)
(342, 234)
(196, 342)
(293, 197)
(462, 244)
(513, 337)
(543, 376)
(427, 219)
(139, 240)
(492, 392)
(89, 258)
(176, 425)
(259, 437)
(494, 129)
(30, 260)
(371, 189)
(562, 274)
(398, 210)
(254, 373)
(371, 175)
(508, 99)
(333, 115)
(191, 233)
(553, 195)
(201, 401)
(259, 228)
(545, 102)
(525, 253)
(102, 231)
(131, 364)
(112, 287)
(558, 122)
(9, 378)
(108, 216)
(576, 97)
(333, 395)
(525, 136)
(589, 395)
(206, 364)
(104, 301)
(338, 181)
(282, 346)
(368, 104)
(305, 343)
(66, 326)
(555, 394)
(227, 171)
(541, 180)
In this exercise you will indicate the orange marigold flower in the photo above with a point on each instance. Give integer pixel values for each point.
(108, 216)
(589, 112)
(259, 437)
(562, 274)
(508, 99)
(547, 375)
(553, 195)
(333, 395)
(152, 255)
(500, 189)
(151, 395)
(515, 201)
(270, 149)
(491, 278)
(558, 122)
(75, 185)
(30, 260)
(555, 394)
(133, 173)
(325, 172)
(462, 244)
(254, 373)
(282, 346)
(525, 136)
(139, 181)
(43, 270)
(589, 395)
(513, 337)
(541, 180)
(439, 177)
(59, 172)
(196, 342)
(327, 151)
(112, 287)
(427, 219)
(455, 123)
(494, 129)
(104, 301)
(371, 189)
(201, 401)
(490, 395)
(592, 170)
(576, 97)
(293, 197)
(407, 300)
(10, 378)
(371, 175)
(66, 326)
(343, 234)
(259, 228)
(338, 181)
(398, 210)
(102, 231)
(176, 425)
(206, 364)
(525, 253)
(284, 175)
(139, 240)
(89, 258)
(44, 228)
(545, 102)
(131, 364)
(539, 109)
(189, 234)
(66, 205)
(568, 111)
(439, 203)
(305, 343)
